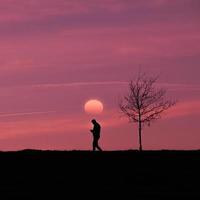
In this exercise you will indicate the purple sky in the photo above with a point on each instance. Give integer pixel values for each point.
(57, 54)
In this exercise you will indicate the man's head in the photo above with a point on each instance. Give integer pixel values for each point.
(94, 121)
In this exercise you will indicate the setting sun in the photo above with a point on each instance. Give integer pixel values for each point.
(93, 106)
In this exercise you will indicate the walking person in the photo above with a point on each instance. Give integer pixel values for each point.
(96, 135)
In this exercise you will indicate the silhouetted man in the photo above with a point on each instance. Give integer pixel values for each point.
(96, 135)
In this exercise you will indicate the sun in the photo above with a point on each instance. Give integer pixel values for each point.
(93, 106)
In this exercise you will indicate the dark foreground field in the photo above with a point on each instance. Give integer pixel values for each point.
(127, 174)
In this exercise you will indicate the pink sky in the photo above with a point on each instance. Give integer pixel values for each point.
(55, 55)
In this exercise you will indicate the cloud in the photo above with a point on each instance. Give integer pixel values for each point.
(35, 126)
(16, 64)
(78, 84)
(169, 86)
(19, 124)
(184, 109)
(98, 12)
(180, 87)
(24, 114)
(23, 10)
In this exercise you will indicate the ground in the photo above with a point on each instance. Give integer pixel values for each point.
(127, 174)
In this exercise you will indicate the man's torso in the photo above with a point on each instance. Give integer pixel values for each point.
(96, 130)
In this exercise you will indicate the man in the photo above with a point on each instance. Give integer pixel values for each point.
(96, 135)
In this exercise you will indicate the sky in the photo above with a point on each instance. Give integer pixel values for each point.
(56, 55)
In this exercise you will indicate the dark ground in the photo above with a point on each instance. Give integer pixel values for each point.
(125, 174)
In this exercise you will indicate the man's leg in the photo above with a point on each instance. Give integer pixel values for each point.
(97, 145)
(94, 144)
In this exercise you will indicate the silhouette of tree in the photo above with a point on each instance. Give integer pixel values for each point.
(144, 102)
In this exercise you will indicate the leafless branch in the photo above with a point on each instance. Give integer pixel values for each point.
(144, 102)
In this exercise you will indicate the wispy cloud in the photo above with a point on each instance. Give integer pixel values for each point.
(36, 126)
(184, 109)
(74, 84)
(20, 9)
(170, 86)
(18, 114)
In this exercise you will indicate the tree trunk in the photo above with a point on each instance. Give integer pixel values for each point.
(140, 135)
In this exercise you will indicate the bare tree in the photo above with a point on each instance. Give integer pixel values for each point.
(144, 102)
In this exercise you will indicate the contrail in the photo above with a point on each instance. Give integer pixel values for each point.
(81, 84)
(24, 113)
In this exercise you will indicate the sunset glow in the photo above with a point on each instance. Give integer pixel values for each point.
(57, 54)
